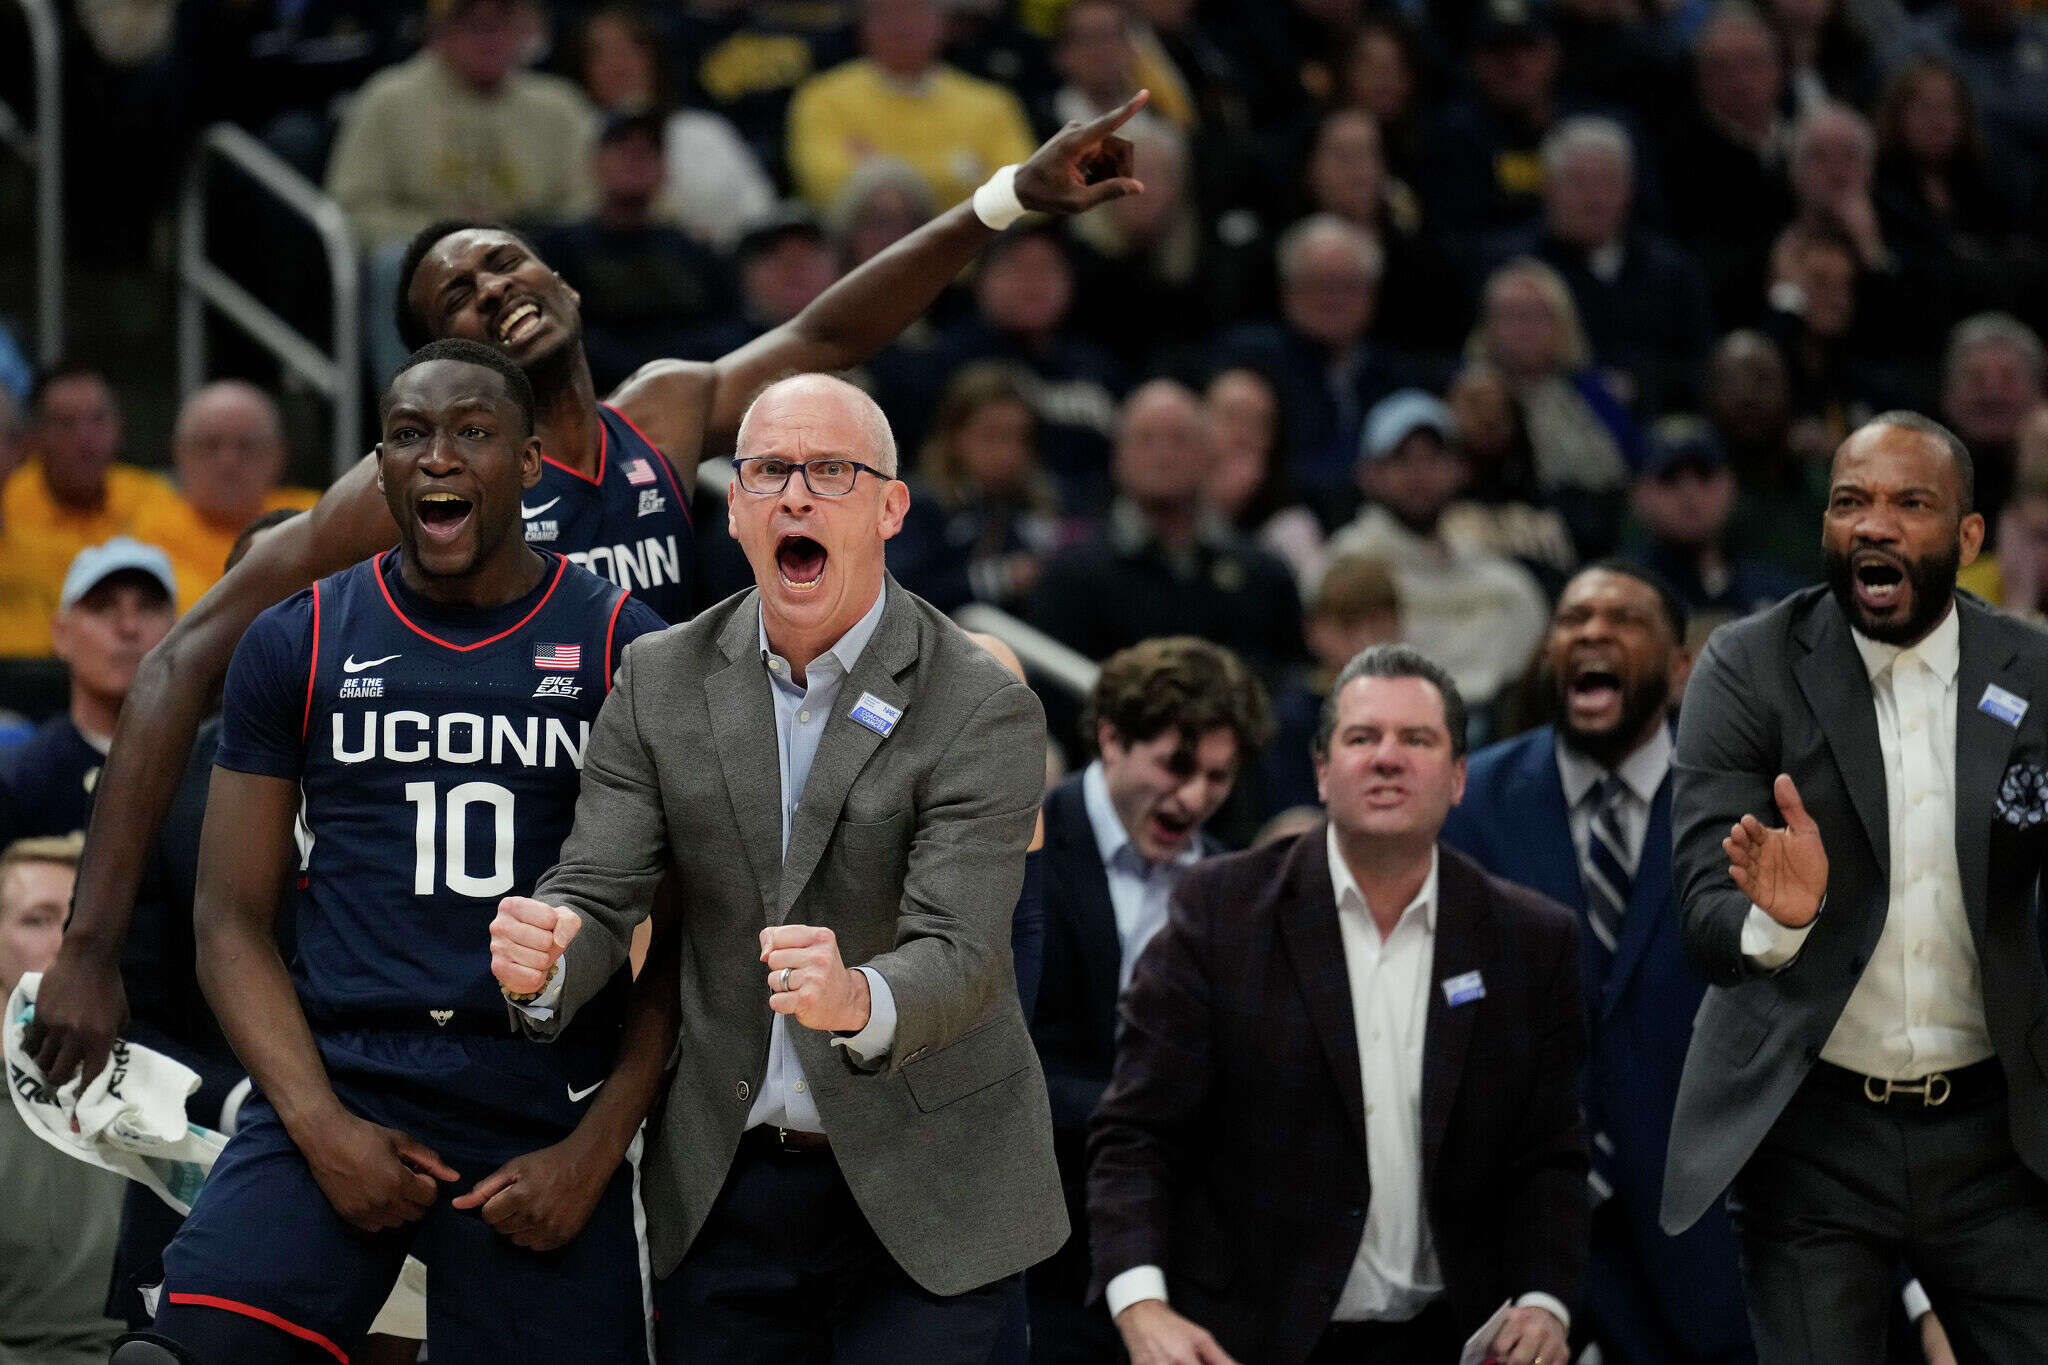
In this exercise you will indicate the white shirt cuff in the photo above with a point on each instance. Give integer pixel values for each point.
(231, 1108)
(1135, 1285)
(1918, 1305)
(542, 1007)
(879, 1036)
(1537, 1299)
(1769, 944)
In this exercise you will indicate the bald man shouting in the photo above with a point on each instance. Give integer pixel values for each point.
(857, 1147)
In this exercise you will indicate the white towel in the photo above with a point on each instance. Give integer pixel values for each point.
(130, 1119)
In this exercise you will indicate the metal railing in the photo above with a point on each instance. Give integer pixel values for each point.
(336, 373)
(1044, 657)
(43, 150)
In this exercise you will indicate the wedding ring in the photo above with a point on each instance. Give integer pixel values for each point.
(785, 979)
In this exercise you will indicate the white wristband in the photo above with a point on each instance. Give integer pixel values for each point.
(996, 202)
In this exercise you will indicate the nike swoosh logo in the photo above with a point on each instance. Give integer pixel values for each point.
(349, 665)
(531, 512)
(578, 1096)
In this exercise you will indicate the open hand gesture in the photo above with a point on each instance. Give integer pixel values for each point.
(1784, 872)
(1082, 165)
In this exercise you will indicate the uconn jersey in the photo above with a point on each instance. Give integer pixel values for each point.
(631, 524)
(439, 751)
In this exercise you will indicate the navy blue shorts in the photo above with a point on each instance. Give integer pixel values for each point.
(265, 1270)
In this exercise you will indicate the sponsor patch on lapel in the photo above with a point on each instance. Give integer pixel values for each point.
(876, 714)
(1463, 989)
(2003, 704)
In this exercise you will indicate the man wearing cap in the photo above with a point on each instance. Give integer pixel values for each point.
(1682, 499)
(1476, 613)
(116, 603)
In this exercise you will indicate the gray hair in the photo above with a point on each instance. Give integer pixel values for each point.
(1587, 133)
(880, 442)
(1319, 228)
(1984, 329)
(1395, 661)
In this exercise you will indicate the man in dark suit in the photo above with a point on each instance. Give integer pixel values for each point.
(856, 1149)
(1173, 722)
(1868, 1069)
(1581, 811)
(1344, 1123)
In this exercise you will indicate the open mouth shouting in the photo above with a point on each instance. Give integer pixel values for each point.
(800, 561)
(443, 515)
(1593, 693)
(1171, 829)
(1879, 582)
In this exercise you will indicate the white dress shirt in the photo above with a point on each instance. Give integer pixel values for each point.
(1919, 1005)
(1138, 889)
(1641, 773)
(1394, 1274)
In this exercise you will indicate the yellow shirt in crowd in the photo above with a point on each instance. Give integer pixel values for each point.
(953, 128)
(199, 547)
(39, 538)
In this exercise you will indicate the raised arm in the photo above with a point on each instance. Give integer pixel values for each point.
(685, 406)
(375, 1177)
(82, 1007)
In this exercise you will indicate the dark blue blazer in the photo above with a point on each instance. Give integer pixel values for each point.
(1639, 1010)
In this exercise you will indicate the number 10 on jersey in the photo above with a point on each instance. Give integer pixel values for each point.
(456, 871)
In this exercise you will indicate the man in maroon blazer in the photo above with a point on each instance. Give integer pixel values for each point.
(1344, 1120)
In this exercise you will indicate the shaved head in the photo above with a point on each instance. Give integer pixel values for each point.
(805, 389)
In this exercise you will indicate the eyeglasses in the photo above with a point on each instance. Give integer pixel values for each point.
(825, 478)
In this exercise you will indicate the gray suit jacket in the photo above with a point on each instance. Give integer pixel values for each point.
(1786, 691)
(910, 848)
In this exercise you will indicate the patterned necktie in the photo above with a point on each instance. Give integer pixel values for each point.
(1609, 879)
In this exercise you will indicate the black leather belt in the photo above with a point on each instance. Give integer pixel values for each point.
(1961, 1088)
(787, 1141)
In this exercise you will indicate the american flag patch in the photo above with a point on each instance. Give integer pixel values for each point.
(638, 471)
(558, 658)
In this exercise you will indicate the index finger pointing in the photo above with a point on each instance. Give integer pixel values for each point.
(1119, 116)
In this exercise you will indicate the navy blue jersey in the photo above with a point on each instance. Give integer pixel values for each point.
(630, 524)
(438, 750)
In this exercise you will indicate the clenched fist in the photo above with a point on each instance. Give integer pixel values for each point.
(527, 939)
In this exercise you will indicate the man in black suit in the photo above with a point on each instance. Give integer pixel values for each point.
(1173, 722)
(1868, 1067)
(1344, 1123)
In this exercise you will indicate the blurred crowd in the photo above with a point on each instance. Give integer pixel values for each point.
(1478, 289)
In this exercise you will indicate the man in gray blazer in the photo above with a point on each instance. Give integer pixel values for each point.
(1870, 1067)
(857, 1144)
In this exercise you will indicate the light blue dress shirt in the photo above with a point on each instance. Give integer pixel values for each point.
(801, 713)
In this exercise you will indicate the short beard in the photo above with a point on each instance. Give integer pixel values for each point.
(1647, 701)
(1932, 579)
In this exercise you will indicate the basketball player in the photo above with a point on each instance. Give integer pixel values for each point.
(486, 284)
(430, 705)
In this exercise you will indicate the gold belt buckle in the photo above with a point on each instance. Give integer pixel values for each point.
(1933, 1089)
